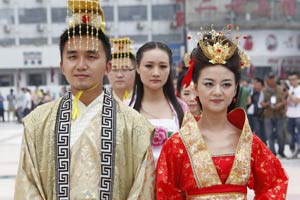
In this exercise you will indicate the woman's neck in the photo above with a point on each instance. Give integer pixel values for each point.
(153, 95)
(155, 105)
(213, 121)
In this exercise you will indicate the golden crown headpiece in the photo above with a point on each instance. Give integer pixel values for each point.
(121, 51)
(218, 47)
(88, 12)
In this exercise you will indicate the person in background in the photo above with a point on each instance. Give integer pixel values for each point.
(244, 97)
(255, 110)
(293, 113)
(274, 114)
(187, 90)
(87, 144)
(37, 97)
(63, 91)
(20, 102)
(154, 95)
(47, 97)
(2, 107)
(122, 75)
(28, 103)
(11, 109)
(218, 156)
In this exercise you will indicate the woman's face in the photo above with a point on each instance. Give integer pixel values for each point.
(188, 95)
(216, 87)
(154, 68)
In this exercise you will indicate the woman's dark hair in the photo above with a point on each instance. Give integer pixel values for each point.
(233, 64)
(83, 30)
(168, 88)
(180, 79)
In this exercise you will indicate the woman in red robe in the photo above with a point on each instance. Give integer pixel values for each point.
(218, 156)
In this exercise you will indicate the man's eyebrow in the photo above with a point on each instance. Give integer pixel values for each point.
(71, 52)
(91, 51)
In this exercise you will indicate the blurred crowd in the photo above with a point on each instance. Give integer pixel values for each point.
(22, 101)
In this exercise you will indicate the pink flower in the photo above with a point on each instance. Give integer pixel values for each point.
(160, 136)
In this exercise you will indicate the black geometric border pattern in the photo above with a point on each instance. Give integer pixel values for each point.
(62, 148)
(107, 150)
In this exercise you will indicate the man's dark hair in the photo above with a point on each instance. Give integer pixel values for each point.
(259, 80)
(293, 74)
(85, 30)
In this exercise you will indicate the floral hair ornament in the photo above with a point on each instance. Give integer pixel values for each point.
(87, 12)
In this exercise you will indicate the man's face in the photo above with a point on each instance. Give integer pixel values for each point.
(271, 81)
(84, 63)
(257, 86)
(293, 79)
(122, 75)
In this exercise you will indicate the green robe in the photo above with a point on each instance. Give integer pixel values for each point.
(130, 164)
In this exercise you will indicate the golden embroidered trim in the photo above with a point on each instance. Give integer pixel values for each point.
(218, 196)
(203, 167)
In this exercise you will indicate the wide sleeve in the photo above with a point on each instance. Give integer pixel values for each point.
(28, 185)
(269, 179)
(168, 172)
(144, 182)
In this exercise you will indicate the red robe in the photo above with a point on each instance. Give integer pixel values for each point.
(186, 169)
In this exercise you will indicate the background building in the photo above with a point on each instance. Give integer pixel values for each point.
(29, 31)
(272, 29)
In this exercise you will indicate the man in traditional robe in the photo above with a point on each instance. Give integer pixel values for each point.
(122, 75)
(85, 145)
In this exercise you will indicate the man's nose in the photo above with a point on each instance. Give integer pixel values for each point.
(82, 63)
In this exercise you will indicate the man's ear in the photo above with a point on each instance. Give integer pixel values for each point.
(61, 67)
(108, 67)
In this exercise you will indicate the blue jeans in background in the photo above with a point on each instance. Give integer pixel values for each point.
(274, 129)
(257, 126)
(293, 127)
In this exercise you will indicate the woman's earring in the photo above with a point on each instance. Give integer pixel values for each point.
(234, 100)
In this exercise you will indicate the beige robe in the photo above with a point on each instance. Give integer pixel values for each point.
(134, 170)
